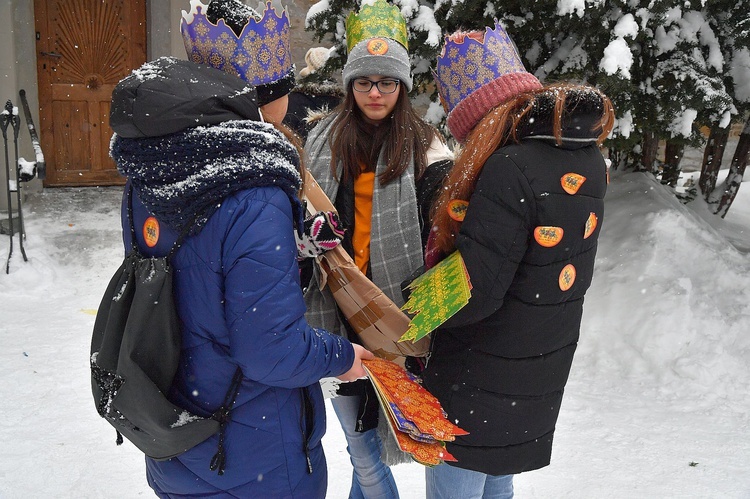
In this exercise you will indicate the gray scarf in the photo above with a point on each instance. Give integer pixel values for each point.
(395, 243)
(395, 250)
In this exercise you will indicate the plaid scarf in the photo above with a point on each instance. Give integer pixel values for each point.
(189, 173)
(395, 243)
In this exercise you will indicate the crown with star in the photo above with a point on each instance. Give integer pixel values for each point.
(377, 20)
(259, 54)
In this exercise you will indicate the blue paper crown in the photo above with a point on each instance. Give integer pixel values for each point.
(260, 55)
(466, 64)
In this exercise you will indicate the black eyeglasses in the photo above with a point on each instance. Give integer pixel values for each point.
(383, 86)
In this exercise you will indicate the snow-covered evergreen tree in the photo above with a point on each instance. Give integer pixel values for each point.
(670, 67)
(730, 21)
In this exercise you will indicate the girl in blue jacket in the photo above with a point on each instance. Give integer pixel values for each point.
(203, 158)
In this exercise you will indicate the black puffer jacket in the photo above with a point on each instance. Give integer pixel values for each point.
(310, 98)
(500, 364)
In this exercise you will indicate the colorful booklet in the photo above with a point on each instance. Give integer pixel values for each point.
(415, 416)
(436, 295)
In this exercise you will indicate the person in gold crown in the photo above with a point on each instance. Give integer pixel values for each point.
(380, 164)
(530, 183)
(214, 182)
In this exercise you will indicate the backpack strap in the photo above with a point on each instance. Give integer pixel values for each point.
(131, 222)
(223, 416)
(134, 243)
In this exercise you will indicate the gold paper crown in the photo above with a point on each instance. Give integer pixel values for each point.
(379, 20)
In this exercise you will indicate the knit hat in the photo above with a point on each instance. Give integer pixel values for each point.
(315, 58)
(376, 39)
(230, 36)
(476, 72)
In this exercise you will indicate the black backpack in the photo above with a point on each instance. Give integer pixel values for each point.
(135, 350)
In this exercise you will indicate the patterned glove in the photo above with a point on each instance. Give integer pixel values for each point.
(322, 232)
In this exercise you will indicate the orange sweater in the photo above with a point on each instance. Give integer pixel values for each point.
(364, 186)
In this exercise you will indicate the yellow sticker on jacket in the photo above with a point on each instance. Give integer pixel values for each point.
(151, 232)
(571, 182)
(548, 236)
(567, 277)
(457, 209)
(591, 224)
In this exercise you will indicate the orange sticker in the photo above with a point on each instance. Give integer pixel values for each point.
(590, 225)
(457, 209)
(571, 182)
(151, 232)
(548, 236)
(567, 277)
(377, 46)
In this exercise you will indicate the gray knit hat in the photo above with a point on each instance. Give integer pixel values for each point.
(378, 56)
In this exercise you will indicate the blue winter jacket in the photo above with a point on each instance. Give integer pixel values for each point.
(237, 293)
(236, 287)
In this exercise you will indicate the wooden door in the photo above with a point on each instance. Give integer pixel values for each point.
(84, 47)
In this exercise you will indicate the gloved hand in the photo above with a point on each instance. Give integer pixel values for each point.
(322, 232)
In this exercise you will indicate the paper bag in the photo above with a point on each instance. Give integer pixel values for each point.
(374, 317)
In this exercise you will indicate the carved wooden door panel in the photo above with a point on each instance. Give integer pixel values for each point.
(84, 47)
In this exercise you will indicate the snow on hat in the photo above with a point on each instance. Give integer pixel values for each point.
(377, 42)
(230, 36)
(315, 58)
(476, 72)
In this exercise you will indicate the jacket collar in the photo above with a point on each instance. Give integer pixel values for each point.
(583, 109)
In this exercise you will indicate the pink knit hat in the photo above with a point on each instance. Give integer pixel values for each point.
(477, 71)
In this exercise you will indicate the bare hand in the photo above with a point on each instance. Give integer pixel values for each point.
(357, 371)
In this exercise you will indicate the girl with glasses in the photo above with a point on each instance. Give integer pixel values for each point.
(380, 164)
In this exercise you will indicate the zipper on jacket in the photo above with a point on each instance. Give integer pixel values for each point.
(306, 407)
(429, 350)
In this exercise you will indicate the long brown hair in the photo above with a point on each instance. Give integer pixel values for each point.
(500, 127)
(296, 141)
(401, 137)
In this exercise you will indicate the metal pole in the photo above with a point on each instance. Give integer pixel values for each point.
(4, 121)
(15, 122)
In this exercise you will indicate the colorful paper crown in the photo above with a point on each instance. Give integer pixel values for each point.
(378, 20)
(477, 71)
(259, 55)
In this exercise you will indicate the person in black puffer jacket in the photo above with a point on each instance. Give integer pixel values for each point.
(314, 95)
(532, 180)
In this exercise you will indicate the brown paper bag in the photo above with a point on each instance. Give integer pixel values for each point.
(373, 316)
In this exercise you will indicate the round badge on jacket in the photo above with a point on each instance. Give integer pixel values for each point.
(457, 209)
(591, 224)
(571, 182)
(151, 232)
(567, 277)
(548, 236)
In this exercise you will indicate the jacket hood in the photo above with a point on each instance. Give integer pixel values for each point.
(326, 88)
(583, 110)
(169, 95)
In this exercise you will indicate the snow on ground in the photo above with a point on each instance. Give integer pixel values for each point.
(656, 406)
